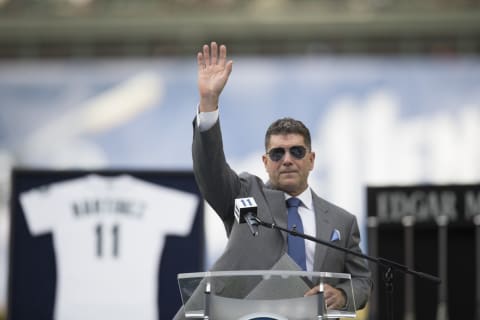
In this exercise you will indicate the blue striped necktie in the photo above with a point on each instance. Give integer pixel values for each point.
(296, 245)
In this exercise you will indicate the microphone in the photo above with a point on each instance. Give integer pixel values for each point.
(246, 212)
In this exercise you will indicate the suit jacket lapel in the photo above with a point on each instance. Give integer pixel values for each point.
(323, 226)
(276, 203)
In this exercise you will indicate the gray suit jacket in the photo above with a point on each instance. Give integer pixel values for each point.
(220, 185)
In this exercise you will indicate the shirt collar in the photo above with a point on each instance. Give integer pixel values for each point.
(305, 197)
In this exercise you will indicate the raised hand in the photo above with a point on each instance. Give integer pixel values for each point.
(213, 73)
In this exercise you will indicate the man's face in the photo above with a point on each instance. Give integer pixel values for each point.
(288, 174)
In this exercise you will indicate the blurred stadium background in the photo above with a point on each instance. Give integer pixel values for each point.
(96, 28)
(51, 46)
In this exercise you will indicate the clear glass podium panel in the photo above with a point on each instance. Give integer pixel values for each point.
(271, 294)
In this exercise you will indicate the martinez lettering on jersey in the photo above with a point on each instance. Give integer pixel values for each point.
(124, 207)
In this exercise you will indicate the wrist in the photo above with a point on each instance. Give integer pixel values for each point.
(208, 104)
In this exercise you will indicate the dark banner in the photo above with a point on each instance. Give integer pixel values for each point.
(429, 229)
(426, 203)
(103, 244)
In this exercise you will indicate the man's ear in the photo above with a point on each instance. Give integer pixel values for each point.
(264, 160)
(312, 160)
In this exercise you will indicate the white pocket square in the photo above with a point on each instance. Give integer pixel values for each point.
(335, 235)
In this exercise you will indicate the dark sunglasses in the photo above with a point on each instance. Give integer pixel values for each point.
(276, 154)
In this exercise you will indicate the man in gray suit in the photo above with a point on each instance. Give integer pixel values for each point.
(288, 161)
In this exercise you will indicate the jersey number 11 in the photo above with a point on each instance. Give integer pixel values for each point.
(100, 231)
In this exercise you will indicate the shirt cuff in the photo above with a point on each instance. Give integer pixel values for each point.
(206, 120)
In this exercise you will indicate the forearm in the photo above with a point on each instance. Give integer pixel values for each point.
(218, 183)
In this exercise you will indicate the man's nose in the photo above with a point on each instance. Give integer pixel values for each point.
(287, 158)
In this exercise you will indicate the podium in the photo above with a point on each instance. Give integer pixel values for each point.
(261, 294)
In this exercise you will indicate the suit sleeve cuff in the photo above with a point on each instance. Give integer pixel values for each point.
(206, 120)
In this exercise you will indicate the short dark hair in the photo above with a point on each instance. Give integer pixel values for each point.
(286, 126)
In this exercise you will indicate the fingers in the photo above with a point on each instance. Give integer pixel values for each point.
(333, 297)
(312, 291)
(213, 56)
(223, 55)
(329, 299)
(214, 53)
(329, 295)
(206, 55)
(200, 61)
(228, 67)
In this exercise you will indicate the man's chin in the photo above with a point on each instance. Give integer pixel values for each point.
(289, 187)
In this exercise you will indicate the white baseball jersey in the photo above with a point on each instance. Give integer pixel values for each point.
(108, 236)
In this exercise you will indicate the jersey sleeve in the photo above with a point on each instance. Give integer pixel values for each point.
(39, 208)
(183, 208)
(170, 210)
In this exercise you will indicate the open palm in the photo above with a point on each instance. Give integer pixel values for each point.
(213, 72)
